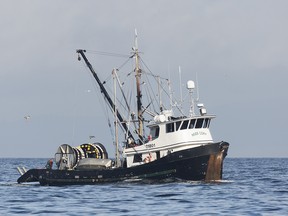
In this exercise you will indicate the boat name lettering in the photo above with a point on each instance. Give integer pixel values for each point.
(199, 133)
(151, 145)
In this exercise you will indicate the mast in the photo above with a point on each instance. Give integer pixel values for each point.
(116, 121)
(139, 95)
(105, 93)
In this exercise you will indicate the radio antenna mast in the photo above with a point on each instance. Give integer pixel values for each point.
(181, 95)
(197, 87)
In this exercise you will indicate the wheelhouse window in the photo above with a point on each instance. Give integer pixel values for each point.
(170, 127)
(199, 123)
(154, 132)
(192, 123)
(206, 123)
(184, 125)
(178, 123)
(137, 158)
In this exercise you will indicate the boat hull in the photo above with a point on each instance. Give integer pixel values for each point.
(195, 164)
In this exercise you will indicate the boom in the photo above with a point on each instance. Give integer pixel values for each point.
(105, 93)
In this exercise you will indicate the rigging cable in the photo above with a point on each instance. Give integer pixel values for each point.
(100, 98)
(154, 76)
(108, 54)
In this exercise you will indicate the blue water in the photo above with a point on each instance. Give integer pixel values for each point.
(250, 187)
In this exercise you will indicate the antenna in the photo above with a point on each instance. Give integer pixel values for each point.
(170, 93)
(191, 87)
(169, 87)
(180, 80)
(136, 40)
(159, 93)
(197, 87)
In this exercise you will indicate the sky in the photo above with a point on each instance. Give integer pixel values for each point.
(237, 48)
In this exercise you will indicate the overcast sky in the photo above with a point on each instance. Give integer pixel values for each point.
(239, 50)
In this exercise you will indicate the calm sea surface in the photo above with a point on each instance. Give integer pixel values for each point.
(254, 186)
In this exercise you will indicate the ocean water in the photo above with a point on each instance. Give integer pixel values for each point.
(250, 186)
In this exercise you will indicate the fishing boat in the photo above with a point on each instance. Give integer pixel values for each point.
(157, 144)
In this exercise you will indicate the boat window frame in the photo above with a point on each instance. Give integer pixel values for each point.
(206, 123)
(177, 125)
(170, 127)
(190, 123)
(137, 158)
(199, 123)
(158, 154)
(155, 128)
(182, 125)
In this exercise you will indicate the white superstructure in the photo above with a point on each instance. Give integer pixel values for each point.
(167, 135)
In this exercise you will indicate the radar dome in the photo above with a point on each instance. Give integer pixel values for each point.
(190, 85)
